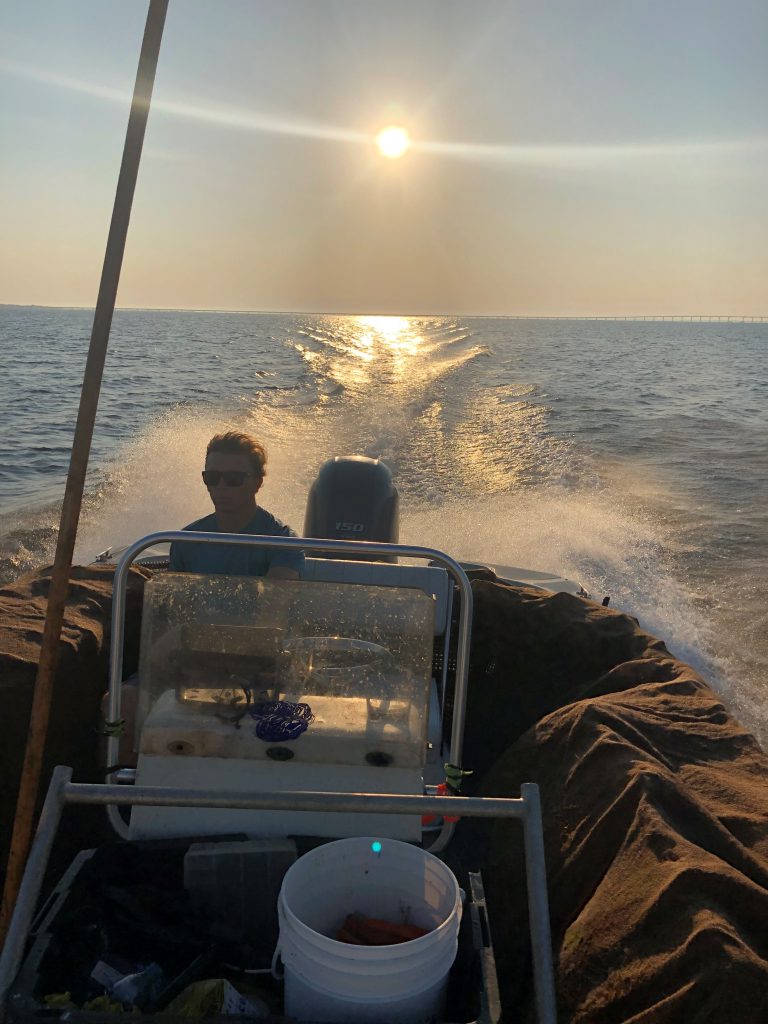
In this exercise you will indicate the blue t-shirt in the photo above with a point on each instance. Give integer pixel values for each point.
(236, 559)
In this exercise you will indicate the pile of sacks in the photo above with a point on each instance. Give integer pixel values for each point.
(75, 723)
(655, 804)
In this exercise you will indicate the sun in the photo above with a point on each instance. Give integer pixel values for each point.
(393, 142)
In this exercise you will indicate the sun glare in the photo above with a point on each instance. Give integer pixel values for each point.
(393, 142)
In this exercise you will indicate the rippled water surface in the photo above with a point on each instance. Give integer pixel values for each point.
(629, 456)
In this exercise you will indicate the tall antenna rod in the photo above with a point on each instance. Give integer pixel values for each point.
(81, 447)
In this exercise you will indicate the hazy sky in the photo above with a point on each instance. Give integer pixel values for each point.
(586, 157)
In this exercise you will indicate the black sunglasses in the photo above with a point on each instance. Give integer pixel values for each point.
(231, 477)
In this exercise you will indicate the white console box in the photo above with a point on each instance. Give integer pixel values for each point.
(344, 731)
(185, 746)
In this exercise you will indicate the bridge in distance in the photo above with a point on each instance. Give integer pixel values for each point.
(736, 319)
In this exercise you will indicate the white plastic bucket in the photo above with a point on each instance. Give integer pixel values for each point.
(328, 980)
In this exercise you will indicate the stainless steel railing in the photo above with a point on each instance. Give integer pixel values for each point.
(352, 547)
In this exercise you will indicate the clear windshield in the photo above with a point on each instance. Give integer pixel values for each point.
(226, 647)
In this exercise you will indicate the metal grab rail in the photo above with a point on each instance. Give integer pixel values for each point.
(62, 791)
(356, 547)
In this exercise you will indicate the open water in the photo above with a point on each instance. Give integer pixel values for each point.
(630, 456)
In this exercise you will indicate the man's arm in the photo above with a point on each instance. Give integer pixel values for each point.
(285, 564)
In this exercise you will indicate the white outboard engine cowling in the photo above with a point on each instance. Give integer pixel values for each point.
(353, 498)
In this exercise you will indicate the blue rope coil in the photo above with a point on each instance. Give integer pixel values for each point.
(280, 720)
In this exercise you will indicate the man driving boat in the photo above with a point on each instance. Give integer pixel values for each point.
(235, 467)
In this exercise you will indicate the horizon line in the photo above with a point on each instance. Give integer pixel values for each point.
(669, 317)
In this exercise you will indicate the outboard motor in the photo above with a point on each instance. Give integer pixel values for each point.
(353, 498)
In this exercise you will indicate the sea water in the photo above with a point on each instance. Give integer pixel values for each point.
(630, 456)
